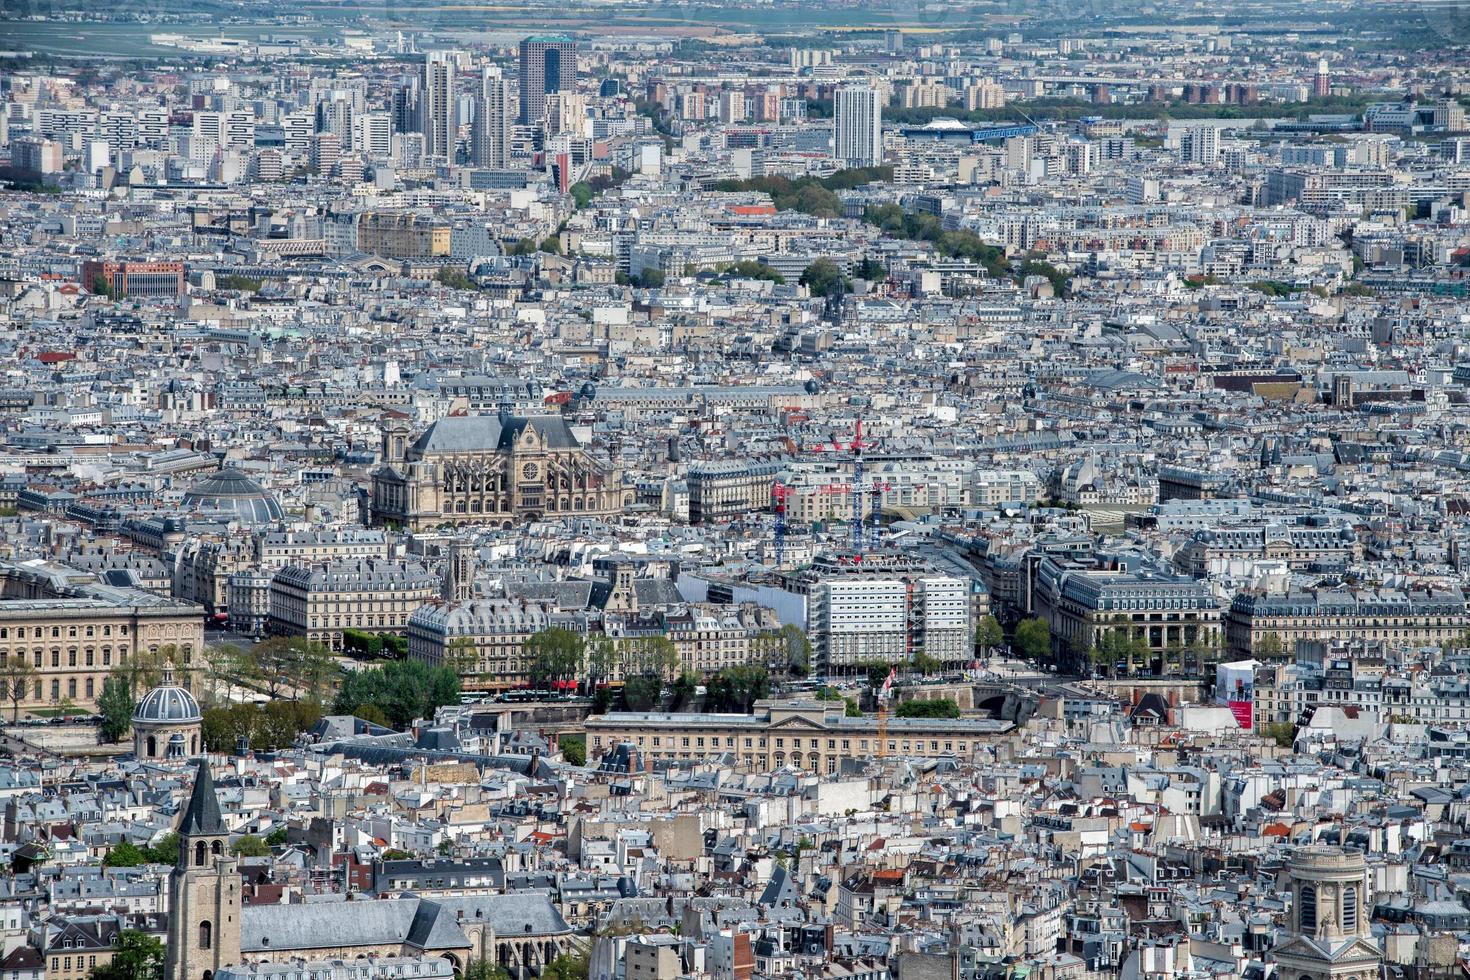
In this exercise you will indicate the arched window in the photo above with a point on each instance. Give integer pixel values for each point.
(1350, 909)
(217, 848)
(152, 746)
(1308, 914)
(199, 853)
(206, 935)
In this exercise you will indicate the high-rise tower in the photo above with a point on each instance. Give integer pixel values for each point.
(548, 64)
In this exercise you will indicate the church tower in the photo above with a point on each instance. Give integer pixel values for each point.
(1328, 935)
(204, 890)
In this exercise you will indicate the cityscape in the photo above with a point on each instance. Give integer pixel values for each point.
(879, 490)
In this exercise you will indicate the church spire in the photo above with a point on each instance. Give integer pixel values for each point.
(202, 818)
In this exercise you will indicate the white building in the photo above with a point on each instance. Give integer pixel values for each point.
(857, 127)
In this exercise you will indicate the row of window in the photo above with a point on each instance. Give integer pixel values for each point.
(714, 743)
(39, 632)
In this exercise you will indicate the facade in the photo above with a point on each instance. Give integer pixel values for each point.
(403, 235)
(857, 114)
(145, 279)
(723, 490)
(548, 64)
(1414, 618)
(806, 735)
(496, 470)
(1301, 545)
(204, 890)
(484, 638)
(1177, 618)
(73, 631)
(372, 596)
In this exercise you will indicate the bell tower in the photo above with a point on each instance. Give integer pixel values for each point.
(1328, 935)
(204, 890)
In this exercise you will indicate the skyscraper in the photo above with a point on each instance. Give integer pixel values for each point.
(491, 143)
(857, 127)
(1322, 84)
(437, 97)
(548, 64)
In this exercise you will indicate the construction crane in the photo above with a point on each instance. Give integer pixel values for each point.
(779, 494)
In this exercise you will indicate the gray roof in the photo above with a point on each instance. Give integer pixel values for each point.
(411, 920)
(488, 433)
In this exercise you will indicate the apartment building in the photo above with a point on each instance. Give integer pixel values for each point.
(374, 596)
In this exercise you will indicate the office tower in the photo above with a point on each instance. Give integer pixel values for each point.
(437, 103)
(405, 109)
(1322, 84)
(858, 127)
(491, 142)
(548, 64)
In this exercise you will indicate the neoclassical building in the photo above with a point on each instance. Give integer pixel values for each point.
(491, 469)
(167, 723)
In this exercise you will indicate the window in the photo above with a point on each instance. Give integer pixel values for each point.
(205, 934)
(1307, 916)
(1350, 909)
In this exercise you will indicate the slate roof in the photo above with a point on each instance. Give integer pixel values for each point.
(487, 433)
(202, 817)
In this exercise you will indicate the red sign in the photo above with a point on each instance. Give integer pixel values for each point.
(1242, 712)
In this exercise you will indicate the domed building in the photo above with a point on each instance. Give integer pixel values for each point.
(167, 723)
(230, 495)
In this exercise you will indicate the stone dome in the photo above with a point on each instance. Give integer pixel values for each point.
(233, 496)
(167, 704)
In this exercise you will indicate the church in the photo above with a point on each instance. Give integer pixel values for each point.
(498, 470)
(210, 928)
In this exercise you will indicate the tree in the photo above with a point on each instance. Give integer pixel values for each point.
(16, 679)
(139, 956)
(166, 851)
(751, 269)
(602, 659)
(124, 855)
(641, 692)
(551, 244)
(870, 269)
(555, 656)
(278, 837)
(581, 193)
(940, 708)
(573, 749)
(402, 690)
(824, 278)
(1283, 733)
(567, 966)
(396, 854)
(737, 689)
(116, 707)
(1270, 647)
(224, 665)
(1033, 638)
(250, 845)
(306, 666)
(925, 664)
(988, 634)
(483, 969)
(649, 279)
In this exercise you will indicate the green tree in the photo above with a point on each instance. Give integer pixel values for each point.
(166, 851)
(737, 688)
(649, 279)
(642, 691)
(551, 244)
(249, 845)
(138, 956)
(573, 749)
(567, 966)
(988, 634)
(940, 708)
(1270, 647)
(751, 269)
(824, 278)
(871, 269)
(278, 837)
(402, 689)
(395, 854)
(116, 708)
(124, 855)
(1033, 638)
(924, 664)
(555, 656)
(1283, 732)
(483, 969)
(17, 677)
(581, 193)
(877, 672)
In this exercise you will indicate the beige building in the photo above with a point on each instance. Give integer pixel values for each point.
(72, 630)
(810, 735)
(403, 235)
(320, 601)
(499, 470)
(1409, 618)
